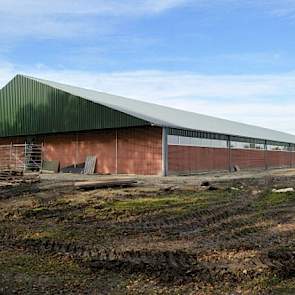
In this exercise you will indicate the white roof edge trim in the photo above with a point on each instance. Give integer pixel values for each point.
(169, 117)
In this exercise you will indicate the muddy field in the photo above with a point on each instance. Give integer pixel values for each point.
(233, 236)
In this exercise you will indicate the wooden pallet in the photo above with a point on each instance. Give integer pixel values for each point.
(90, 164)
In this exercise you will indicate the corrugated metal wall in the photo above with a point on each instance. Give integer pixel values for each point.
(28, 107)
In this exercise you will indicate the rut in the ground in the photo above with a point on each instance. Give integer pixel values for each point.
(167, 265)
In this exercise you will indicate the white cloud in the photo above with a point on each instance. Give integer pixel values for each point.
(266, 100)
(97, 7)
(282, 8)
(68, 18)
(274, 8)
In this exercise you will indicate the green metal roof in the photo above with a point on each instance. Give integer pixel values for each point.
(120, 111)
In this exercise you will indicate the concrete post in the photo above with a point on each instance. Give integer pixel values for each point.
(116, 151)
(290, 153)
(229, 154)
(76, 149)
(265, 155)
(164, 151)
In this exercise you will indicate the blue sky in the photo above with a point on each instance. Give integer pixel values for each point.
(229, 58)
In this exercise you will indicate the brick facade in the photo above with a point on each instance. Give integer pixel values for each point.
(139, 151)
(123, 151)
(59, 147)
(189, 159)
(248, 159)
(279, 159)
(102, 144)
(12, 140)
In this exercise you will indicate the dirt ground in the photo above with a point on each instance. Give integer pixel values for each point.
(231, 235)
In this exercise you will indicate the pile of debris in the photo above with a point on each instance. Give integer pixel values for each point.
(14, 178)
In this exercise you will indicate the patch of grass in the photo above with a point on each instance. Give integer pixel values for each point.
(147, 203)
(270, 199)
(286, 287)
(29, 264)
(27, 273)
(189, 200)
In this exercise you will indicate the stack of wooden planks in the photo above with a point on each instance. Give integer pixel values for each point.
(13, 178)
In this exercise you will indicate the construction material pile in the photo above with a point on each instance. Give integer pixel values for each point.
(15, 178)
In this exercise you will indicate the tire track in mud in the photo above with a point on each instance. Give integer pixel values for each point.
(165, 265)
(281, 261)
(182, 225)
(195, 222)
(246, 231)
(249, 219)
(177, 262)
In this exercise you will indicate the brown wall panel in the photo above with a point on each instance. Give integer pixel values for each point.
(139, 150)
(101, 144)
(279, 159)
(13, 140)
(60, 148)
(247, 159)
(293, 159)
(189, 159)
(5, 141)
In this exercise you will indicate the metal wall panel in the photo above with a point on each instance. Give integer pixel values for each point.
(190, 159)
(123, 151)
(28, 107)
(217, 136)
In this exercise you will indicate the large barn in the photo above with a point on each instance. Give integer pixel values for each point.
(129, 136)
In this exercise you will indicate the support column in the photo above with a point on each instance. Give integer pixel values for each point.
(164, 151)
(116, 151)
(265, 155)
(229, 154)
(76, 149)
(290, 153)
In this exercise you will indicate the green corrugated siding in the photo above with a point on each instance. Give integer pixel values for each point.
(28, 107)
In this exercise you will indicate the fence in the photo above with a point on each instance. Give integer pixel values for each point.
(25, 157)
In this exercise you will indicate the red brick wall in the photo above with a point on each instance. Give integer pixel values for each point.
(102, 144)
(188, 159)
(293, 159)
(14, 140)
(139, 150)
(247, 159)
(4, 141)
(60, 148)
(279, 159)
(12, 158)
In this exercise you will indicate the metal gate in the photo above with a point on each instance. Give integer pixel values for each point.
(25, 157)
